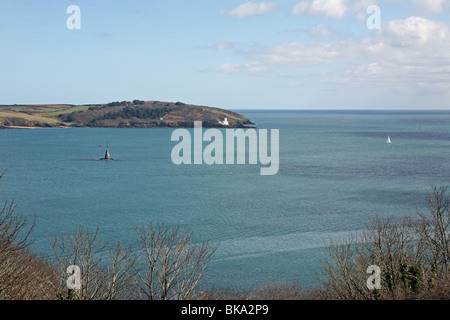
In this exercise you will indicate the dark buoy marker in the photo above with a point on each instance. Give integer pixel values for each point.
(107, 155)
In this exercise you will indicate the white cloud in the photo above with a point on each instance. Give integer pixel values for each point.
(362, 5)
(322, 31)
(425, 6)
(250, 9)
(432, 6)
(359, 8)
(335, 8)
(223, 46)
(249, 67)
(300, 54)
(409, 56)
(330, 8)
(415, 31)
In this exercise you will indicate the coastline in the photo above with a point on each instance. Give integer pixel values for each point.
(22, 127)
(125, 114)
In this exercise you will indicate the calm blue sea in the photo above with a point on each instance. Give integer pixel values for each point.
(336, 171)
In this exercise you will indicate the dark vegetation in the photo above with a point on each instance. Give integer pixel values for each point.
(143, 114)
(413, 255)
(20, 122)
(138, 113)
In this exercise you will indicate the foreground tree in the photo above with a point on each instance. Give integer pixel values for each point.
(168, 264)
(413, 256)
(433, 230)
(103, 274)
(23, 275)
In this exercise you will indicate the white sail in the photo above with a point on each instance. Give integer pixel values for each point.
(389, 140)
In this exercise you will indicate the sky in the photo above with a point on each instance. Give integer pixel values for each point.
(232, 54)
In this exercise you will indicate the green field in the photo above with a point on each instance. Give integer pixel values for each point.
(34, 115)
(64, 110)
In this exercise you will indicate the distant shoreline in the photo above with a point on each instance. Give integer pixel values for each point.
(119, 114)
(20, 127)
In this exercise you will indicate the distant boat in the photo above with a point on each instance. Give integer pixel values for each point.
(389, 140)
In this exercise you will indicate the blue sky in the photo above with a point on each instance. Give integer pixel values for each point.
(299, 54)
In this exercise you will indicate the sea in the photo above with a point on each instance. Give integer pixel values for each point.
(336, 173)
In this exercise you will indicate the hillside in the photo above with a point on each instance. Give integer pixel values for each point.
(125, 114)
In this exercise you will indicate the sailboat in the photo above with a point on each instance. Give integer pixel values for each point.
(389, 140)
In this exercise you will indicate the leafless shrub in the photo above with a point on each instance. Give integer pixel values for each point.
(412, 254)
(433, 229)
(218, 293)
(440, 289)
(26, 277)
(168, 265)
(281, 291)
(104, 275)
(23, 276)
